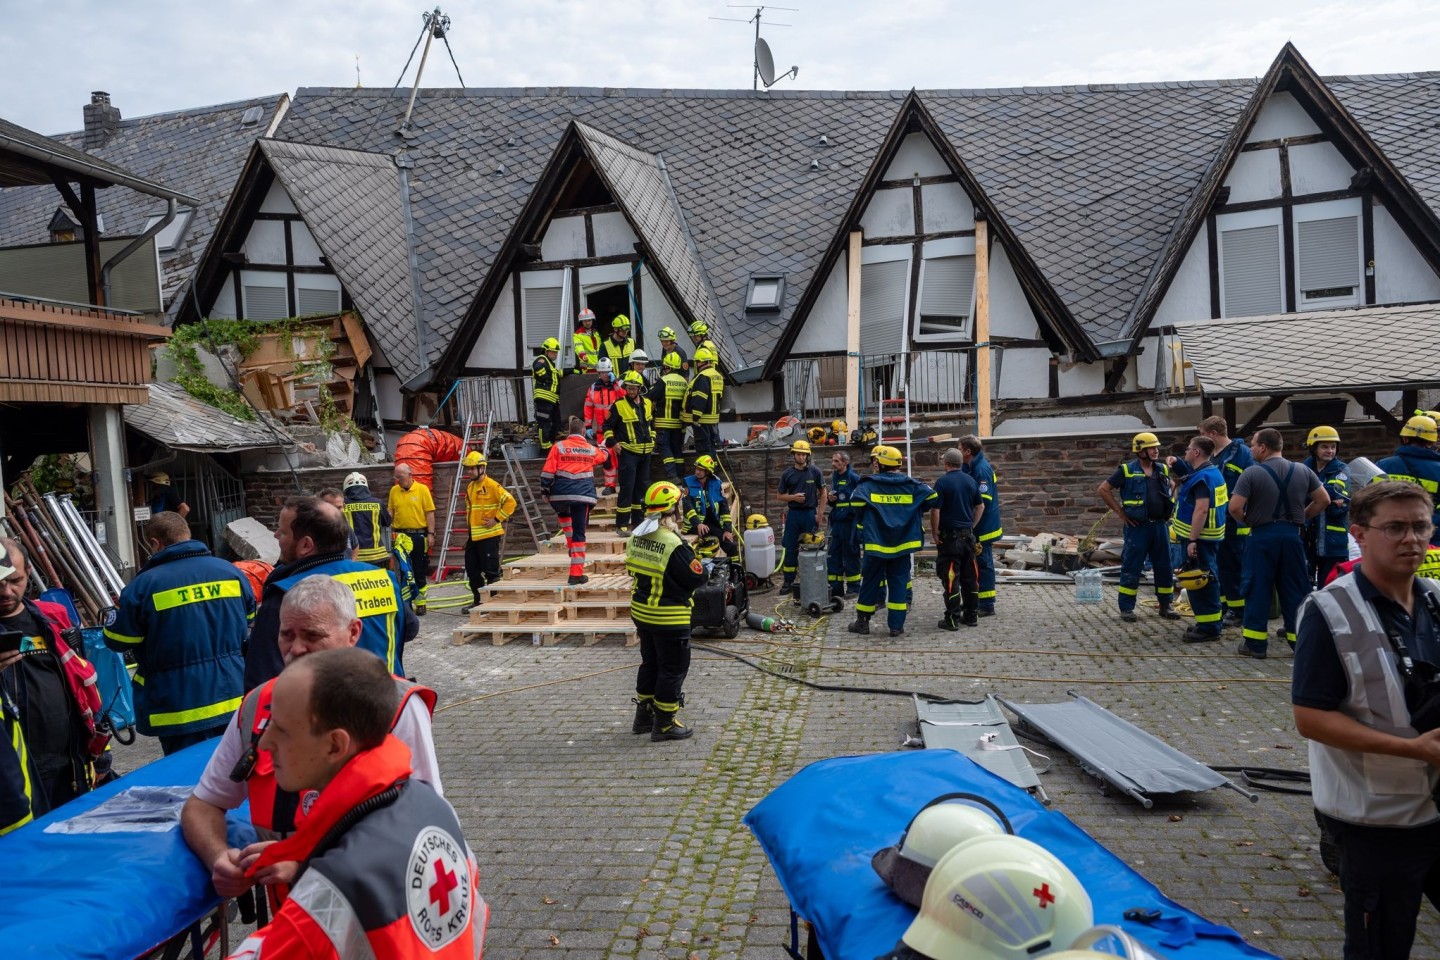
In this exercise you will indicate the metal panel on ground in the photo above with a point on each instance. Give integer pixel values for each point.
(979, 730)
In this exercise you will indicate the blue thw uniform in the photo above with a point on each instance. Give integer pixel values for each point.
(1208, 484)
(1327, 536)
(1232, 462)
(705, 503)
(1148, 501)
(989, 530)
(955, 547)
(1275, 561)
(891, 506)
(843, 565)
(367, 517)
(184, 618)
(384, 619)
(799, 517)
(1419, 465)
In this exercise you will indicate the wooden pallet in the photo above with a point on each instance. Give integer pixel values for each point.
(548, 565)
(597, 543)
(513, 613)
(525, 589)
(588, 631)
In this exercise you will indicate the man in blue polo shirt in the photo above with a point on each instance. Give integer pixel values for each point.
(953, 529)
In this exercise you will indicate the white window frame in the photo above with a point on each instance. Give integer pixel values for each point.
(168, 240)
(890, 253)
(1269, 217)
(1331, 210)
(273, 280)
(318, 283)
(543, 279)
(933, 250)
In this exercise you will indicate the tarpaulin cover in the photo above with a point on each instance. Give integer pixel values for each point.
(821, 827)
(422, 448)
(106, 895)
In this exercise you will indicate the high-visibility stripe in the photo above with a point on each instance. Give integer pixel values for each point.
(896, 606)
(1336, 529)
(1129, 591)
(905, 547)
(1242, 531)
(1207, 617)
(1236, 604)
(986, 594)
(121, 637)
(196, 593)
(324, 904)
(1164, 591)
(992, 535)
(1249, 634)
(178, 717)
(864, 608)
(17, 742)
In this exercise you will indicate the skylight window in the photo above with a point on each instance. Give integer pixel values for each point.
(169, 238)
(765, 293)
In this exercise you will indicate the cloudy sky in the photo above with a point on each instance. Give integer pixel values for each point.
(160, 55)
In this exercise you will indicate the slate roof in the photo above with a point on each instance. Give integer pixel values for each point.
(354, 205)
(1295, 352)
(198, 152)
(27, 145)
(181, 422)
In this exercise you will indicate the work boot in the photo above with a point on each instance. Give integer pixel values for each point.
(948, 624)
(1128, 616)
(608, 492)
(667, 725)
(644, 715)
(420, 608)
(575, 581)
(861, 624)
(971, 619)
(896, 632)
(1245, 650)
(1196, 635)
(986, 611)
(1167, 614)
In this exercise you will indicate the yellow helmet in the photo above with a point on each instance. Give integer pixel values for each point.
(800, 446)
(633, 378)
(1322, 435)
(1419, 426)
(473, 459)
(667, 333)
(699, 329)
(704, 355)
(160, 477)
(661, 497)
(1192, 578)
(755, 521)
(705, 462)
(887, 456)
(671, 361)
(837, 427)
(550, 344)
(621, 322)
(816, 434)
(707, 546)
(807, 539)
(1432, 414)
(1143, 441)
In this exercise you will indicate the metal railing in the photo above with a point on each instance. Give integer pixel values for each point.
(495, 399)
(937, 382)
(1174, 376)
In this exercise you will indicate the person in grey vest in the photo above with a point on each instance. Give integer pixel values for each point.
(1374, 764)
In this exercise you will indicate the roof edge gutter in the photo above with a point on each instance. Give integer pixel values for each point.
(37, 152)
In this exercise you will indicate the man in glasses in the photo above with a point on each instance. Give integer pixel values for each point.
(1373, 774)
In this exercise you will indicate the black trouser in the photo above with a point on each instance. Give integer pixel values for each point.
(630, 494)
(670, 444)
(707, 438)
(664, 662)
(419, 558)
(482, 563)
(1384, 871)
(546, 429)
(173, 743)
(959, 578)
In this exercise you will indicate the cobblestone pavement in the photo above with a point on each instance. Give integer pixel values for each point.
(594, 842)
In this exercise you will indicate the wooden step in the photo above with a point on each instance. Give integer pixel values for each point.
(589, 631)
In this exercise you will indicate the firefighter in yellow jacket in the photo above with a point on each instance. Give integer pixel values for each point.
(490, 505)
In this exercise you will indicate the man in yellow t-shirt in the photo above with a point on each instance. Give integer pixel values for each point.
(412, 511)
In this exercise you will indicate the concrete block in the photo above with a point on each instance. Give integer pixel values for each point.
(251, 540)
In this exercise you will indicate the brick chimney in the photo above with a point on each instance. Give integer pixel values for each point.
(101, 120)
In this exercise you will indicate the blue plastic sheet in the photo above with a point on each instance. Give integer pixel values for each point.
(821, 827)
(108, 895)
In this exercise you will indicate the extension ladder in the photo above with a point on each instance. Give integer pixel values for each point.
(518, 483)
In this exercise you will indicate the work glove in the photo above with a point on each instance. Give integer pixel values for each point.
(979, 548)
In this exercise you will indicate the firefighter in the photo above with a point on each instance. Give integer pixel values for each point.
(1231, 457)
(1145, 502)
(700, 336)
(640, 363)
(707, 513)
(490, 505)
(598, 398)
(702, 403)
(671, 356)
(368, 518)
(586, 343)
(667, 399)
(546, 378)
(618, 346)
(567, 483)
(990, 529)
(843, 563)
(1327, 536)
(800, 487)
(628, 429)
(891, 507)
(1416, 461)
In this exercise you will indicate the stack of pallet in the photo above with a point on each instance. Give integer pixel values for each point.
(535, 603)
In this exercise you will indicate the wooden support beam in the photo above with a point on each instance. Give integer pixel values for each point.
(1207, 407)
(1370, 405)
(1409, 400)
(1117, 374)
(1228, 406)
(90, 220)
(1262, 414)
(852, 332)
(983, 388)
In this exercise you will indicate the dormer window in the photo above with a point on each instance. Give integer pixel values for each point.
(766, 294)
(169, 238)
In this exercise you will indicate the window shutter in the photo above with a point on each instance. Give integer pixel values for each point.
(945, 293)
(310, 301)
(1251, 257)
(1329, 254)
(882, 306)
(266, 303)
(542, 314)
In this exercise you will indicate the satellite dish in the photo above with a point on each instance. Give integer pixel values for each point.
(764, 62)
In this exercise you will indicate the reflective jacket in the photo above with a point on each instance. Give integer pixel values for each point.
(599, 397)
(569, 472)
(667, 399)
(1207, 483)
(629, 426)
(845, 508)
(368, 517)
(488, 501)
(1330, 530)
(385, 872)
(666, 576)
(619, 353)
(184, 618)
(1418, 465)
(1132, 490)
(891, 508)
(586, 347)
(705, 503)
(546, 377)
(984, 476)
(1231, 462)
(702, 397)
(378, 602)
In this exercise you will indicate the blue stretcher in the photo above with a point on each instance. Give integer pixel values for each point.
(821, 827)
(107, 895)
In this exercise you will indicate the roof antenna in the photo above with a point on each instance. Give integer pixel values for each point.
(763, 69)
(436, 26)
(357, 72)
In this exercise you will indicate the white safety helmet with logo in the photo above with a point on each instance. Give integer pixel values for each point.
(999, 898)
(356, 479)
(939, 826)
(603, 365)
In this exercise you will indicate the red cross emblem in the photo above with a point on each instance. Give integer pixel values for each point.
(445, 881)
(1042, 894)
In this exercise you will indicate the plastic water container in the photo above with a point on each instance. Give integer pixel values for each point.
(760, 552)
(1088, 586)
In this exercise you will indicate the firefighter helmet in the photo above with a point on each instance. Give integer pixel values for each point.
(638, 356)
(603, 365)
(934, 831)
(887, 456)
(160, 477)
(1143, 441)
(473, 459)
(550, 344)
(587, 315)
(661, 496)
(667, 333)
(699, 329)
(621, 322)
(816, 434)
(706, 462)
(800, 446)
(1322, 435)
(704, 355)
(356, 479)
(837, 427)
(1421, 427)
(633, 378)
(671, 361)
(755, 521)
(707, 546)
(1192, 577)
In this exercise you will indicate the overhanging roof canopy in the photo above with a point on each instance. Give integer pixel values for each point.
(31, 159)
(1323, 351)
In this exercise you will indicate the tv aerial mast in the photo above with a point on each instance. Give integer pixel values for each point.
(763, 68)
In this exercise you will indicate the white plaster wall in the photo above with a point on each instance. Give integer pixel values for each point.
(495, 347)
(613, 235)
(224, 305)
(750, 397)
(1401, 274)
(1255, 176)
(1025, 374)
(1318, 168)
(1010, 313)
(265, 243)
(946, 207)
(1143, 366)
(277, 200)
(564, 239)
(1081, 378)
(302, 244)
(1282, 116)
(387, 386)
(824, 330)
(1189, 295)
(890, 213)
(917, 157)
(656, 312)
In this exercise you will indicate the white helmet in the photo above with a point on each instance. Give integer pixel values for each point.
(1107, 941)
(603, 365)
(356, 479)
(999, 898)
(639, 356)
(933, 832)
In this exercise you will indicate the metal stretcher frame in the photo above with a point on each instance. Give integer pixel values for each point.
(1118, 752)
(963, 726)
